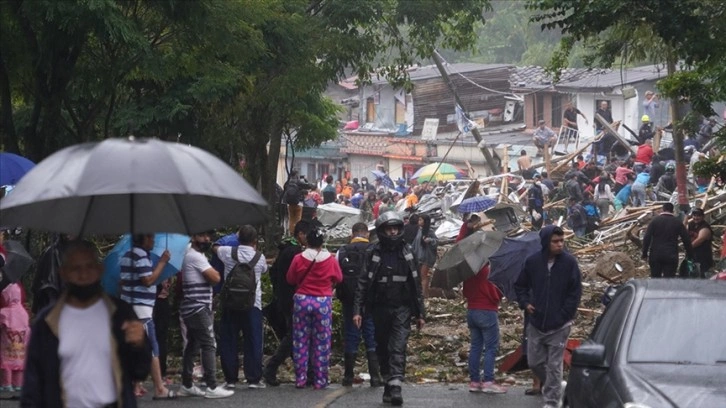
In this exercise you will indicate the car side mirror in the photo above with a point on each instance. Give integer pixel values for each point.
(590, 355)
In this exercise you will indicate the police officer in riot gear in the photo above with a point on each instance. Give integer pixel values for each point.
(390, 290)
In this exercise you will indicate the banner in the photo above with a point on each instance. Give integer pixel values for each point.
(462, 122)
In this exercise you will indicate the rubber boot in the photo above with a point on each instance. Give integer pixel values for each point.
(269, 374)
(374, 369)
(386, 394)
(396, 396)
(349, 363)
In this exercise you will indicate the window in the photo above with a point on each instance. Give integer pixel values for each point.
(311, 176)
(679, 331)
(324, 169)
(400, 112)
(538, 109)
(607, 331)
(370, 110)
(556, 110)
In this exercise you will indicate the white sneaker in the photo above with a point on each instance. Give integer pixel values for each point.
(218, 392)
(192, 391)
(257, 385)
(229, 386)
(491, 387)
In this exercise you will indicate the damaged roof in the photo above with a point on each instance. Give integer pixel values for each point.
(535, 77)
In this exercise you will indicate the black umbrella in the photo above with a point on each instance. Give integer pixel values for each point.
(132, 185)
(507, 263)
(18, 261)
(466, 258)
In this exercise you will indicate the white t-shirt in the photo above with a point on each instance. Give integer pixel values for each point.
(197, 292)
(84, 349)
(245, 254)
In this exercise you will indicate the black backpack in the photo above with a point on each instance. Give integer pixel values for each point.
(240, 286)
(292, 193)
(351, 259)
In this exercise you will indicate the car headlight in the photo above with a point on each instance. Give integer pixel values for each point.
(635, 405)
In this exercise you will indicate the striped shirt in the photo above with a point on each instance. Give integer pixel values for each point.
(136, 264)
(197, 292)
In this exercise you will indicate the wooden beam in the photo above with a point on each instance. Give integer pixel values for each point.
(612, 129)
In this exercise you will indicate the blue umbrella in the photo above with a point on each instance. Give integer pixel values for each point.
(177, 245)
(507, 263)
(13, 168)
(385, 178)
(476, 204)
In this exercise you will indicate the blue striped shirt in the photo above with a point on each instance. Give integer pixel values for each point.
(136, 264)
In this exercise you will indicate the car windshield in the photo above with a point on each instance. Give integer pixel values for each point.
(681, 331)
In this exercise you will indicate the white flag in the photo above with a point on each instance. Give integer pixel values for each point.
(462, 122)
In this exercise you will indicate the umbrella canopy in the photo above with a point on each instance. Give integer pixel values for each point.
(131, 185)
(177, 245)
(18, 260)
(385, 178)
(430, 173)
(507, 263)
(466, 258)
(13, 168)
(476, 204)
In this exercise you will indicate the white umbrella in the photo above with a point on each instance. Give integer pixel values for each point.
(131, 185)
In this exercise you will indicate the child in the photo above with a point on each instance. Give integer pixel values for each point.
(14, 336)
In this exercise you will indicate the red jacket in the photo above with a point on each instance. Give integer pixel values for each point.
(481, 294)
(644, 154)
(318, 280)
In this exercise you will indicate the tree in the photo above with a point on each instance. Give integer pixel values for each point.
(691, 32)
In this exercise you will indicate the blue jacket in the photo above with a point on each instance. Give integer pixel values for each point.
(554, 293)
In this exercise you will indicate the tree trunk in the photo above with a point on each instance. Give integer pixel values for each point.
(681, 184)
(8, 136)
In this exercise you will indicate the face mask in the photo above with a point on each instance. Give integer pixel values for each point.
(204, 246)
(84, 292)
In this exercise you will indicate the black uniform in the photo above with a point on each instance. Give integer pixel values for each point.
(391, 292)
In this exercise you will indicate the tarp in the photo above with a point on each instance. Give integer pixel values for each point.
(508, 261)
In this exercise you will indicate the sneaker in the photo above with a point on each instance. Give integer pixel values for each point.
(192, 391)
(229, 386)
(396, 396)
(491, 387)
(18, 389)
(272, 381)
(386, 394)
(257, 385)
(475, 386)
(218, 392)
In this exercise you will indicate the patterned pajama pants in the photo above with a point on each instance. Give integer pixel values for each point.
(311, 325)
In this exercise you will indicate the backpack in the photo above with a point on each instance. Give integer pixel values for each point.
(292, 193)
(240, 286)
(351, 263)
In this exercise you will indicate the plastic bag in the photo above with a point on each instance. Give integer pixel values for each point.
(690, 269)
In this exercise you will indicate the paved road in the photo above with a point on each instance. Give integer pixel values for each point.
(429, 396)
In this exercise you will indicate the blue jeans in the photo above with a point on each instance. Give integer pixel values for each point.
(250, 323)
(484, 330)
(352, 334)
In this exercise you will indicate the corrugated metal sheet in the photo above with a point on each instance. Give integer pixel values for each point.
(606, 82)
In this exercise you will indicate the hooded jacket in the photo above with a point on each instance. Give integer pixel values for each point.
(554, 292)
(317, 279)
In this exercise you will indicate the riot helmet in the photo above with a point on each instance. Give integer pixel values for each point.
(389, 218)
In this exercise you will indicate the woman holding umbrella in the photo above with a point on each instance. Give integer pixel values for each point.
(424, 247)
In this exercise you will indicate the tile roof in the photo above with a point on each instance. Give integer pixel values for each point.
(614, 79)
(430, 71)
(534, 77)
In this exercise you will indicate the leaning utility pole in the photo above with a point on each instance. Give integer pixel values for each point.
(681, 184)
(474, 131)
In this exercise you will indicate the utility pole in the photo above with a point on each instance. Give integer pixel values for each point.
(681, 184)
(474, 131)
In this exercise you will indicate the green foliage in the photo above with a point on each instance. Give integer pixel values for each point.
(691, 31)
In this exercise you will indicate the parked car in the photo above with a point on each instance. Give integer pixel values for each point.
(660, 344)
